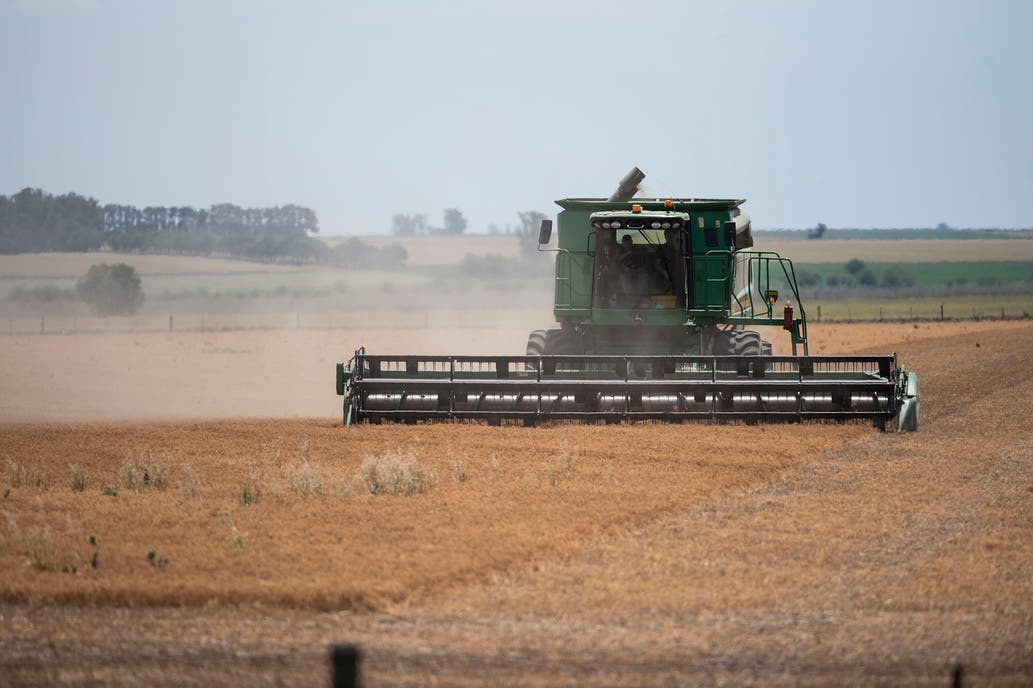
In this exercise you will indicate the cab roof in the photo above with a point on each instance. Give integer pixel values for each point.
(678, 204)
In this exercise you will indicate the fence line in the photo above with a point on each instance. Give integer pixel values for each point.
(868, 313)
(827, 312)
(207, 322)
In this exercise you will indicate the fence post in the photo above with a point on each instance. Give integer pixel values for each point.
(345, 660)
(1002, 312)
(941, 312)
(41, 327)
(819, 312)
(880, 313)
(170, 322)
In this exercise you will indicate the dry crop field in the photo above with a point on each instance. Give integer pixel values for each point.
(443, 250)
(448, 250)
(146, 541)
(899, 250)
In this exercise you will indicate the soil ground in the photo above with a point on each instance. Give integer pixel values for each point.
(646, 555)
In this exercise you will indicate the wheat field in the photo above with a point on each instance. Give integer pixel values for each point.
(214, 552)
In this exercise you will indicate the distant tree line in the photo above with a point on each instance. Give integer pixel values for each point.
(222, 219)
(405, 224)
(35, 221)
(32, 221)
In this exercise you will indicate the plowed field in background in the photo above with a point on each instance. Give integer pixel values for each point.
(558, 556)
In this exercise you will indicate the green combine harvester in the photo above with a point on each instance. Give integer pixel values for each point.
(653, 298)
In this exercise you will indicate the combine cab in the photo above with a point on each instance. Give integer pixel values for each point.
(653, 298)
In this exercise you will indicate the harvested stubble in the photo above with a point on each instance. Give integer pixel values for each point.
(525, 494)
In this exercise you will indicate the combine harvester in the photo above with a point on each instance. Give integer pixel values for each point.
(652, 297)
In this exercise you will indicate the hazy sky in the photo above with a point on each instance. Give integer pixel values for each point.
(856, 114)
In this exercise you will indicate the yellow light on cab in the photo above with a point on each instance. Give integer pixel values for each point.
(636, 208)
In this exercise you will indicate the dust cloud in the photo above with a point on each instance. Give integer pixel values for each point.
(199, 375)
(223, 338)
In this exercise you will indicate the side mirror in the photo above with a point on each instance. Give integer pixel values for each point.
(545, 233)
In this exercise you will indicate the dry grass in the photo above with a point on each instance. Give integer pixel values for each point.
(145, 475)
(395, 473)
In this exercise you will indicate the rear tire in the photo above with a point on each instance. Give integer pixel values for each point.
(741, 343)
(562, 342)
(536, 343)
(744, 343)
(553, 342)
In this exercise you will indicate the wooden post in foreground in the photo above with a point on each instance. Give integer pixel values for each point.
(344, 666)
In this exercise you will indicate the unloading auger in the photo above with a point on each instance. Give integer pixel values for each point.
(653, 298)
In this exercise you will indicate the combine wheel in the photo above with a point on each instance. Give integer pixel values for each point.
(549, 342)
(748, 343)
(744, 343)
(561, 342)
(536, 343)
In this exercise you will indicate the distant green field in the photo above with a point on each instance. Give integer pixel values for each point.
(948, 275)
(870, 234)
